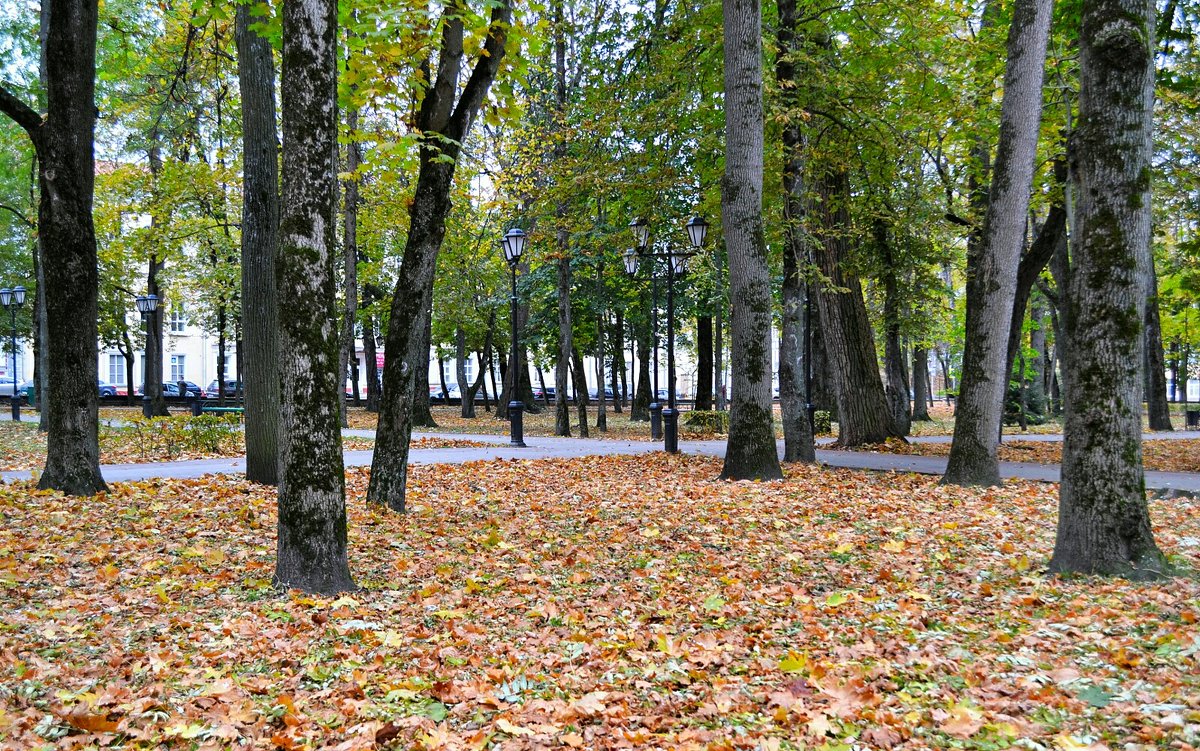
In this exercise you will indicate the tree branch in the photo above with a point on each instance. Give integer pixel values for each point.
(19, 215)
(483, 74)
(22, 114)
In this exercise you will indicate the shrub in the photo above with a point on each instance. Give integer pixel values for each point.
(169, 437)
(707, 422)
(822, 422)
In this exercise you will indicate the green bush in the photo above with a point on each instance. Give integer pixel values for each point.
(171, 436)
(707, 421)
(822, 422)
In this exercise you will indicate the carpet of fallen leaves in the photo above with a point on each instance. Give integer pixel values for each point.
(601, 603)
(1168, 455)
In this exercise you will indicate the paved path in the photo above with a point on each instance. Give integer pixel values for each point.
(540, 447)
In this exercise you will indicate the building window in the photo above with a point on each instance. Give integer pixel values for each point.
(178, 322)
(116, 370)
(468, 371)
(177, 368)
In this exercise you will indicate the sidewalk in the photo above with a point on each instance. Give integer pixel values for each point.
(543, 447)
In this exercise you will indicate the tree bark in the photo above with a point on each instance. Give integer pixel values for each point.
(750, 451)
(370, 356)
(406, 361)
(1103, 520)
(896, 387)
(863, 413)
(1155, 366)
(582, 400)
(260, 243)
(992, 267)
(720, 398)
(422, 412)
(704, 362)
(619, 387)
(639, 408)
(349, 256)
(920, 380)
(63, 142)
(1035, 397)
(562, 411)
(312, 486)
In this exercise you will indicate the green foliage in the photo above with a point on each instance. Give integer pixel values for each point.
(822, 422)
(171, 437)
(707, 421)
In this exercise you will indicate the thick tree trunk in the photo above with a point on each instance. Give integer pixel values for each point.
(579, 378)
(750, 452)
(992, 262)
(467, 395)
(260, 242)
(422, 412)
(1103, 520)
(704, 362)
(1035, 397)
(862, 407)
(920, 381)
(312, 484)
(824, 396)
(639, 408)
(63, 141)
(1155, 366)
(720, 397)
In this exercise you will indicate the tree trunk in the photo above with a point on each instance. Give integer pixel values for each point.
(312, 484)
(153, 358)
(562, 412)
(619, 388)
(1154, 366)
(992, 262)
(824, 396)
(798, 443)
(704, 362)
(750, 451)
(1035, 397)
(896, 388)
(371, 358)
(863, 413)
(422, 412)
(260, 242)
(639, 408)
(920, 380)
(407, 341)
(349, 256)
(63, 141)
(720, 397)
(1103, 520)
(579, 378)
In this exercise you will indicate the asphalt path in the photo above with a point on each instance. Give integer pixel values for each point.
(541, 447)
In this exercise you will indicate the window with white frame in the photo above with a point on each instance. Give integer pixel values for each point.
(178, 321)
(468, 371)
(116, 370)
(177, 362)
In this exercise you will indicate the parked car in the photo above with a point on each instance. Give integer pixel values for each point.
(549, 394)
(110, 390)
(8, 386)
(171, 390)
(436, 394)
(232, 389)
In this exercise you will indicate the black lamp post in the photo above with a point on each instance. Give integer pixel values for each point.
(513, 244)
(676, 261)
(12, 299)
(147, 305)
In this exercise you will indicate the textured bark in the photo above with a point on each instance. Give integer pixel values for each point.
(374, 382)
(562, 410)
(704, 362)
(992, 262)
(798, 443)
(862, 407)
(312, 485)
(349, 256)
(639, 408)
(1155, 366)
(719, 360)
(750, 452)
(260, 243)
(1035, 397)
(63, 143)
(824, 396)
(896, 386)
(579, 382)
(619, 387)
(920, 384)
(422, 413)
(407, 362)
(1103, 520)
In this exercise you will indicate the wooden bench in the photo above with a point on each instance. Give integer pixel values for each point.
(201, 408)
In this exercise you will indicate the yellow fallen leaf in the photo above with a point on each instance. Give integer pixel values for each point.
(507, 727)
(893, 546)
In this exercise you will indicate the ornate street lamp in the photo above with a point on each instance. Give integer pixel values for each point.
(147, 305)
(12, 299)
(676, 262)
(513, 244)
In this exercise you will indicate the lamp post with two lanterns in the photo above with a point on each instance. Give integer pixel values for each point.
(12, 299)
(676, 263)
(147, 305)
(513, 244)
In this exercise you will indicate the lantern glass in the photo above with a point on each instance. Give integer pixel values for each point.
(679, 264)
(697, 228)
(514, 245)
(641, 232)
(5, 296)
(19, 295)
(631, 261)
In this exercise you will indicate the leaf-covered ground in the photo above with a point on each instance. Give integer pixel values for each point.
(604, 603)
(1168, 455)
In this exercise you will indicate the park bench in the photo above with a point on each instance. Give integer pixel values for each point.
(199, 408)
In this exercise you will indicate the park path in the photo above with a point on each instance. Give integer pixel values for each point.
(545, 447)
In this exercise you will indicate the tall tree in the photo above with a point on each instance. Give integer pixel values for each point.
(798, 443)
(1155, 367)
(1103, 520)
(992, 262)
(63, 141)
(444, 126)
(312, 483)
(750, 452)
(260, 243)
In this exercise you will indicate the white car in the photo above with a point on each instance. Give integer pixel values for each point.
(7, 386)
